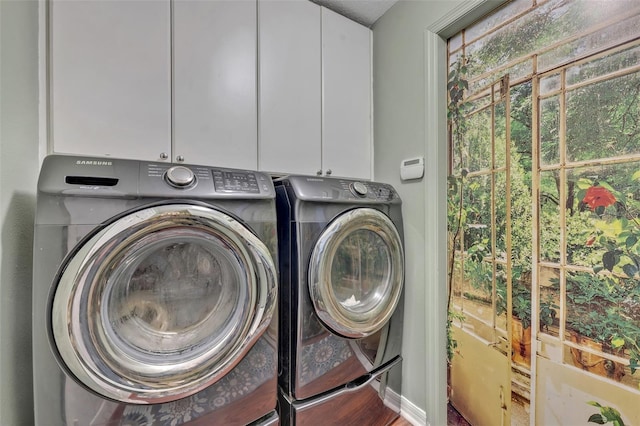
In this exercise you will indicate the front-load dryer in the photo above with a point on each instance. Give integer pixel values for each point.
(154, 294)
(341, 301)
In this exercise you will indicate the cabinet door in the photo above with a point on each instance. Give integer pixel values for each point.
(110, 82)
(289, 100)
(215, 99)
(346, 97)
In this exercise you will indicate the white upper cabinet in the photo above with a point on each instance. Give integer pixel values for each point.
(346, 97)
(110, 82)
(214, 80)
(315, 91)
(282, 86)
(124, 85)
(289, 82)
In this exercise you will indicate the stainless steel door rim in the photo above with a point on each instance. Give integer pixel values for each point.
(356, 273)
(162, 302)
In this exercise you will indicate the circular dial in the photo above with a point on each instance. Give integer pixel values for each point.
(180, 176)
(359, 189)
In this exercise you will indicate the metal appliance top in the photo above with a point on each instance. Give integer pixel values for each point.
(314, 188)
(119, 178)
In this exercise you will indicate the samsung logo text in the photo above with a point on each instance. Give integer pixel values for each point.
(93, 163)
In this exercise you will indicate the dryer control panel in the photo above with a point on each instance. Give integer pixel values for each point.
(342, 190)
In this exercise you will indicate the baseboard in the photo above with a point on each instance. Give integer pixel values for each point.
(392, 400)
(411, 412)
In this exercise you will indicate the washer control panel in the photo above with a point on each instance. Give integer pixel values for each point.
(235, 181)
(178, 180)
(122, 178)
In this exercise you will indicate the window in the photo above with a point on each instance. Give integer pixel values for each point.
(544, 202)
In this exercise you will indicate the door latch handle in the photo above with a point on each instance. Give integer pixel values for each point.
(501, 340)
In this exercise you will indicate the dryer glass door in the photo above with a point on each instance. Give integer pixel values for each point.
(162, 302)
(356, 273)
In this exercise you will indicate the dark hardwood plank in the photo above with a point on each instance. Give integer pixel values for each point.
(401, 422)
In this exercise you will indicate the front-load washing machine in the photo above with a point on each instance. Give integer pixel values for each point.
(154, 294)
(341, 301)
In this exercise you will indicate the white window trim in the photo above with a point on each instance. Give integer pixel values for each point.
(435, 96)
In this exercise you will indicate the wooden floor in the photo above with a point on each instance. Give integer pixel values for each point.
(401, 422)
(453, 419)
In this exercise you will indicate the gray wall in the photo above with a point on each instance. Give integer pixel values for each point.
(410, 121)
(406, 107)
(18, 175)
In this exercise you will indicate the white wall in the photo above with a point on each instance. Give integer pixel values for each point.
(409, 73)
(18, 175)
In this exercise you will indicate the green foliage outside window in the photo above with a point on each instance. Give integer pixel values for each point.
(587, 173)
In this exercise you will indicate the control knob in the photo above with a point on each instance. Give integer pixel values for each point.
(180, 176)
(359, 189)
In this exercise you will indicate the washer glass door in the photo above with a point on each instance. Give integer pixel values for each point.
(162, 302)
(356, 273)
